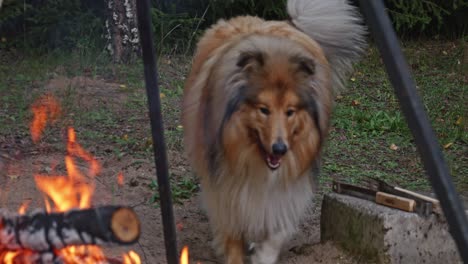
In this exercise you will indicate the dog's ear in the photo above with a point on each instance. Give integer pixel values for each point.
(304, 64)
(249, 59)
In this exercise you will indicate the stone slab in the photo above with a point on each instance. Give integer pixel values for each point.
(379, 234)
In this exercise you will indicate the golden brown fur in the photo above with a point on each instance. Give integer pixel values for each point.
(255, 83)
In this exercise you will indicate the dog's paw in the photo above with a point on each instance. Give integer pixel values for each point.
(218, 246)
(264, 254)
(250, 248)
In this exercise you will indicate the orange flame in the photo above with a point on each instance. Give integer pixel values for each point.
(131, 258)
(184, 257)
(62, 193)
(45, 108)
(10, 257)
(24, 207)
(73, 190)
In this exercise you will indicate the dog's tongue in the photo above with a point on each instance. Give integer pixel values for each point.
(273, 161)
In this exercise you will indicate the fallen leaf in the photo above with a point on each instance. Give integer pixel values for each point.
(339, 97)
(162, 95)
(459, 121)
(355, 103)
(393, 147)
(179, 226)
(13, 176)
(149, 142)
(125, 137)
(448, 145)
(353, 79)
(123, 86)
(444, 52)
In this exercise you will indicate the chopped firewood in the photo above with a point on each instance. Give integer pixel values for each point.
(43, 232)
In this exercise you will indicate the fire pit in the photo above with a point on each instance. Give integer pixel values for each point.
(69, 230)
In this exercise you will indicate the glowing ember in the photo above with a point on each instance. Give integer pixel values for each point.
(120, 179)
(13, 257)
(82, 254)
(65, 192)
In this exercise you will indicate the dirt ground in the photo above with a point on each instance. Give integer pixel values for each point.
(20, 160)
(192, 225)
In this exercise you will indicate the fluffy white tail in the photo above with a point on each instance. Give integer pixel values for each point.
(337, 26)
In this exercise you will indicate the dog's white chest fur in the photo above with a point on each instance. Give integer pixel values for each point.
(257, 211)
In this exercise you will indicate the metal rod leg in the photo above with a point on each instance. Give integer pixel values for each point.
(157, 130)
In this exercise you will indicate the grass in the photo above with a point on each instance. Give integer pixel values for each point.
(182, 189)
(369, 135)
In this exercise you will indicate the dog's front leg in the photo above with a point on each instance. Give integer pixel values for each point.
(267, 252)
(232, 249)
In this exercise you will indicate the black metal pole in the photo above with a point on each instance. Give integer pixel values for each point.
(400, 76)
(157, 130)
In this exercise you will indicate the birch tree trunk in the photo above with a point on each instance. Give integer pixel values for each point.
(122, 30)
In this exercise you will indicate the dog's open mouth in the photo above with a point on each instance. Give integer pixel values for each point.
(273, 161)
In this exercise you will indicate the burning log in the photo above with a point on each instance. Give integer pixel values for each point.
(45, 232)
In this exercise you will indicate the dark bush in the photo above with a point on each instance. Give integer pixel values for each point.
(44, 25)
(429, 17)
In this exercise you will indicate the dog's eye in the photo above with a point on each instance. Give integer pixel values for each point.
(264, 110)
(290, 112)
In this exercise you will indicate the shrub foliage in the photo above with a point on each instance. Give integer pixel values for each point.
(48, 24)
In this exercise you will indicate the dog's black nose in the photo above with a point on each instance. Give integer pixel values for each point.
(279, 148)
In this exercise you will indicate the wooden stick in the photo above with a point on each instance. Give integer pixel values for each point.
(40, 231)
(435, 203)
(394, 201)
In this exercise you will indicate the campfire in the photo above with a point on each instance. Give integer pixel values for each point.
(69, 230)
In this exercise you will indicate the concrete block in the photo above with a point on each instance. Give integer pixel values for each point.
(379, 234)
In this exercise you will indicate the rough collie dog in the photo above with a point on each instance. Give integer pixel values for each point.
(256, 113)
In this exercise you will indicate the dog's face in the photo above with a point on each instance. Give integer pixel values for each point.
(274, 123)
(281, 109)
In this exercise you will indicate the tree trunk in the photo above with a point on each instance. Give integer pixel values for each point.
(122, 30)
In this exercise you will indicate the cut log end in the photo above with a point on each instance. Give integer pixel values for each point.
(125, 225)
